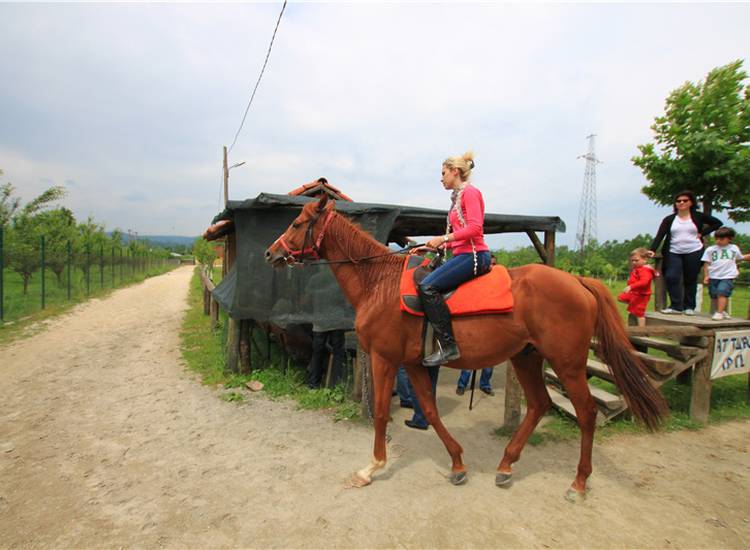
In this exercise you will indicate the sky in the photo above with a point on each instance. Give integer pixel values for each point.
(128, 105)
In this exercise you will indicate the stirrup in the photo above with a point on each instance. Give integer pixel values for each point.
(442, 356)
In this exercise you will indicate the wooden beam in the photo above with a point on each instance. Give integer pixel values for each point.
(512, 413)
(667, 330)
(538, 245)
(549, 246)
(700, 396)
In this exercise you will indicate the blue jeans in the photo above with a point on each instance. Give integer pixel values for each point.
(457, 270)
(419, 418)
(484, 380)
(402, 386)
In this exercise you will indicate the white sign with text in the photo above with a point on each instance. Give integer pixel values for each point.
(731, 353)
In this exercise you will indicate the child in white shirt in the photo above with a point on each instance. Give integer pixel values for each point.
(720, 270)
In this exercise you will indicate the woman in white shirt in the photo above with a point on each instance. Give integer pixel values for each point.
(682, 233)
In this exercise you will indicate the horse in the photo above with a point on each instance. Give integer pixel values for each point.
(555, 316)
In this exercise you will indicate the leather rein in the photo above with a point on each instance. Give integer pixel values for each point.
(310, 255)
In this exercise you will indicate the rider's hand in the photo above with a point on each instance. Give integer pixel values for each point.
(435, 243)
(421, 250)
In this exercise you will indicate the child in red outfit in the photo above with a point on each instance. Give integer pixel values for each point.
(638, 292)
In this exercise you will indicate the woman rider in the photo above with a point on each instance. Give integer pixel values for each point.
(464, 236)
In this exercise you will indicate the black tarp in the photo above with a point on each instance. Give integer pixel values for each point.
(254, 290)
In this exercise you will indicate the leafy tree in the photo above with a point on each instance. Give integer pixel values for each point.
(90, 238)
(205, 253)
(702, 143)
(24, 249)
(59, 228)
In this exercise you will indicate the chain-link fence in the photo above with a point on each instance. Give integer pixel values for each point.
(42, 272)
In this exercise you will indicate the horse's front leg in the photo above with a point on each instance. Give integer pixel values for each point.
(420, 381)
(383, 377)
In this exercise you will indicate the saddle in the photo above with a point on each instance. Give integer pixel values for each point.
(482, 295)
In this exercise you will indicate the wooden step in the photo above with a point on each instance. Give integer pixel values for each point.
(609, 400)
(563, 404)
(662, 367)
(599, 369)
(671, 348)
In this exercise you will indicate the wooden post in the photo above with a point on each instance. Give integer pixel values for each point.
(214, 312)
(540, 248)
(660, 292)
(245, 363)
(226, 178)
(549, 246)
(512, 414)
(232, 353)
(700, 398)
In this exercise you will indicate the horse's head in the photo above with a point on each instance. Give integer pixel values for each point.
(302, 239)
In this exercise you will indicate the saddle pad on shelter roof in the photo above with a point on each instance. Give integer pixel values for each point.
(486, 294)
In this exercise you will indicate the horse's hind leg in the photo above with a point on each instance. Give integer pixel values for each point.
(420, 381)
(572, 375)
(529, 372)
(383, 377)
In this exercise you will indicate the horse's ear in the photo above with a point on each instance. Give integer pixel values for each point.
(322, 202)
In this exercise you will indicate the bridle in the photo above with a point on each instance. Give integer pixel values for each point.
(311, 253)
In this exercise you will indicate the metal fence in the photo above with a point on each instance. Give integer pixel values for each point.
(70, 274)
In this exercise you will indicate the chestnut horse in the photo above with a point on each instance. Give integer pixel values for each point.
(554, 318)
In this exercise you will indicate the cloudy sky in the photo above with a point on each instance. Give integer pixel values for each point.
(128, 105)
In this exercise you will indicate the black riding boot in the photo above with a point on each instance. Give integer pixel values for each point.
(437, 313)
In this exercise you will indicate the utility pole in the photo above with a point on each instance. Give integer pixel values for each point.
(587, 212)
(226, 178)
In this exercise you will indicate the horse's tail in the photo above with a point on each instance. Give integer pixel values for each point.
(646, 403)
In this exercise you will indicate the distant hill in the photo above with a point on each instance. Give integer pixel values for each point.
(168, 240)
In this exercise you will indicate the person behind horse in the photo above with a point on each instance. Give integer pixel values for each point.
(464, 236)
(682, 233)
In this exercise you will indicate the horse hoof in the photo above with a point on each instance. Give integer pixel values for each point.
(576, 497)
(458, 478)
(503, 480)
(357, 481)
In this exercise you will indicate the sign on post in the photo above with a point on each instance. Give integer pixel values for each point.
(731, 353)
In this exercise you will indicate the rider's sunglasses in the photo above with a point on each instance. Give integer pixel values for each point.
(682, 200)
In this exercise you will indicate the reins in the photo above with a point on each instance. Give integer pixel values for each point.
(309, 255)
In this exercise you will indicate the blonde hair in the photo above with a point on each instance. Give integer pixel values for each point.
(640, 252)
(464, 164)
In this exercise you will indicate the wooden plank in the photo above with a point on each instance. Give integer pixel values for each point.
(599, 369)
(671, 348)
(663, 367)
(700, 397)
(512, 412)
(603, 397)
(564, 404)
(538, 245)
(667, 330)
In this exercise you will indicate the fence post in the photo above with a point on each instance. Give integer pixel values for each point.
(120, 265)
(88, 268)
(43, 289)
(113, 266)
(70, 254)
(2, 275)
(101, 266)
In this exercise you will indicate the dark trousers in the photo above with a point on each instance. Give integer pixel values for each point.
(319, 362)
(681, 276)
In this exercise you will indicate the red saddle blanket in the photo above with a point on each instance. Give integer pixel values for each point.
(488, 293)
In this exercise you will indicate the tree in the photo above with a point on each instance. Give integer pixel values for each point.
(59, 228)
(702, 143)
(205, 253)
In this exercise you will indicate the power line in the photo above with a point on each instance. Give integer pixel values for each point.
(252, 96)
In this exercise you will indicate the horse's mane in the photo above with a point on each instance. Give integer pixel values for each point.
(379, 275)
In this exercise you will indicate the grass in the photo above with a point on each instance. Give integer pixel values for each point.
(728, 395)
(22, 312)
(203, 348)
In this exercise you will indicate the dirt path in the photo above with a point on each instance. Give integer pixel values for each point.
(106, 441)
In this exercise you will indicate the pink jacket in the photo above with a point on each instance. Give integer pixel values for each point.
(472, 206)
